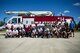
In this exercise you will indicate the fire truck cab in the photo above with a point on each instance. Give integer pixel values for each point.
(15, 19)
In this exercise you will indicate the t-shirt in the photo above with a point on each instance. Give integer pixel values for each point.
(40, 25)
(9, 26)
(21, 26)
(33, 25)
(15, 26)
(54, 29)
(40, 29)
(34, 30)
(47, 29)
(66, 24)
(9, 32)
(15, 31)
(71, 25)
(28, 29)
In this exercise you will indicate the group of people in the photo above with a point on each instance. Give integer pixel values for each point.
(41, 30)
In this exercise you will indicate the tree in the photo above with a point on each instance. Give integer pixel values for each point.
(1, 23)
(79, 25)
(76, 26)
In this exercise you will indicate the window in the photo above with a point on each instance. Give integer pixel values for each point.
(32, 22)
(18, 20)
(14, 20)
(26, 22)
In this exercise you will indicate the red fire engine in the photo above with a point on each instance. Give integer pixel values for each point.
(36, 17)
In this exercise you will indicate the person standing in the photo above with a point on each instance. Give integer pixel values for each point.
(72, 28)
(66, 25)
(66, 29)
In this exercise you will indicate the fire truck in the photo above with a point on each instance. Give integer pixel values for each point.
(27, 17)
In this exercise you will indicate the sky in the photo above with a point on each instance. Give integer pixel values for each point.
(66, 7)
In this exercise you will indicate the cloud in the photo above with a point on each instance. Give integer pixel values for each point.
(63, 13)
(76, 4)
(60, 13)
(79, 17)
(66, 11)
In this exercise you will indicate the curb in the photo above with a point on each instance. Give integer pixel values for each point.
(2, 33)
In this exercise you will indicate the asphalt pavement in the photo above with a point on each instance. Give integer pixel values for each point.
(40, 45)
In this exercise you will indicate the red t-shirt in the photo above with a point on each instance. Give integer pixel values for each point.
(28, 29)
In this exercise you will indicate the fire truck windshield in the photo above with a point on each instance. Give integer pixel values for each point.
(14, 20)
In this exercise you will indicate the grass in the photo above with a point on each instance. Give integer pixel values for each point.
(2, 31)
